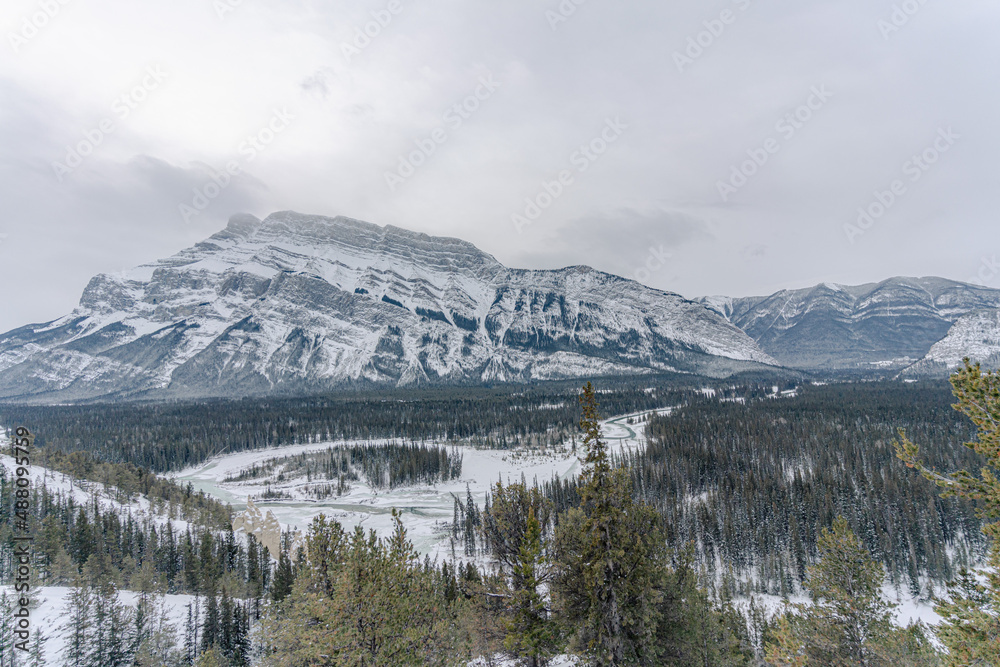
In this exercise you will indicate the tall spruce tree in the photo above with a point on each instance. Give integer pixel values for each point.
(284, 577)
(610, 559)
(848, 624)
(77, 627)
(531, 633)
(970, 626)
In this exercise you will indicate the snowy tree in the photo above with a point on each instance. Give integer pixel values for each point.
(77, 628)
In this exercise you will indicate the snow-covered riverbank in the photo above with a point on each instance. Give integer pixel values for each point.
(427, 509)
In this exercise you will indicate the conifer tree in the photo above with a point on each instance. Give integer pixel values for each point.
(190, 563)
(970, 628)
(848, 611)
(848, 624)
(158, 647)
(227, 634)
(692, 631)
(611, 559)
(255, 580)
(111, 643)
(191, 631)
(210, 631)
(6, 628)
(36, 654)
(77, 628)
(531, 634)
(284, 577)
(360, 600)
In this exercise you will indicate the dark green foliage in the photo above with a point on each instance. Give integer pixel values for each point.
(119, 547)
(383, 466)
(127, 481)
(848, 623)
(752, 485)
(361, 601)
(284, 577)
(170, 436)
(504, 522)
(515, 531)
(610, 560)
(532, 634)
(99, 627)
(692, 630)
(970, 628)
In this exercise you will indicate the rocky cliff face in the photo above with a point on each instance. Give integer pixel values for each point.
(299, 303)
(976, 335)
(890, 324)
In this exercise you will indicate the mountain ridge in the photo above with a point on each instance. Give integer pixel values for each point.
(299, 302)
(889, 324)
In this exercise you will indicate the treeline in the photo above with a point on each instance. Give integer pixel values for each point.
(752, 486)
(123, 482)
(383, 466)
(598, 583)
(170, 436)
(595, 580)
(99, 549)
(70, 536)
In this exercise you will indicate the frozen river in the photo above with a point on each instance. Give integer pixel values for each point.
(427, 511)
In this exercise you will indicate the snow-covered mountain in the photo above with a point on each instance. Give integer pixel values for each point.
(976, 335)
(299, 303)
(890, 324)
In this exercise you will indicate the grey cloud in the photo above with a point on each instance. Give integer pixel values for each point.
(658, 186)
(621, 241)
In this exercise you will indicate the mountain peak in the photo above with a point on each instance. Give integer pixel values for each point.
(888, 324)
(305, 303)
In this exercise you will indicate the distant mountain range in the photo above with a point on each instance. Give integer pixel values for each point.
(298, 304)
(889, 325)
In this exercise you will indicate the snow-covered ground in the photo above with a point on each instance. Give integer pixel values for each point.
(427, 510)
(83, 491)
(49, 617)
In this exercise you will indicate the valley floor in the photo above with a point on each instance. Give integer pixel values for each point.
(427, 510)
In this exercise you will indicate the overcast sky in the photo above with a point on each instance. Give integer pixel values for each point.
(632, 127)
